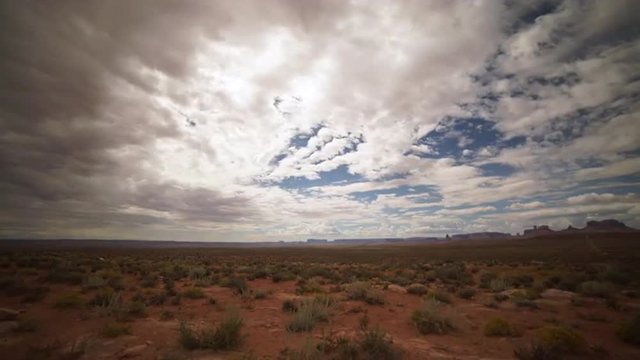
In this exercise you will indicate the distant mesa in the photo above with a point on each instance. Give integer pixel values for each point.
(317, 241)
(538, 230)
(481, 235)
(609, 225)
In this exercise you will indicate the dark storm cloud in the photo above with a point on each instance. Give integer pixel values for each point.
(93, 143)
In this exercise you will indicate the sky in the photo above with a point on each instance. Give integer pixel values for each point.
(286, 120)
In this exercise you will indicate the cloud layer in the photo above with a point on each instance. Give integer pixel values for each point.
(281, 120)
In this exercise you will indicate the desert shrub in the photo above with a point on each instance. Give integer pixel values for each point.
(282, 276)
(114, 330)
(499, 327)
(566, 281)
(193, 293)
(417, 289)
(136, 309)
(363, 291)
(466, 293)
(429, 320)
(114, 279)
(309, 312)
(321, 271)
(289, 305)
(260, 294)
(169, 286)
(453, 273)
(57, 350)
(197, 272)
(376, 346)
(535, 351)
(227, 335)
(103, 297)
(519, 281)
(166, 315)
(94, 281)
(521, 299)
(363, 322)
(498, 285)
(260, 274)
(485, 279)
(630, 331)
(188, 337)
(69, 300)
(238, 285)
(340, 347)
(109, 303)
(616, 276)
(65, 275)
(492, 304)
(440, 296)
(596, 289)
(156, 298)
(308, 286)
(500, 297)
(149, 281)
(561, 339)
(309, 351)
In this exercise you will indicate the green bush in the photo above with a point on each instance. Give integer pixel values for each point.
(535, 351)
(69, 300)
(417, 289)
(282, 276)
(562, 339)
(498, 285)
(499, 327)
(137, 309)
(429, 320)
(440, 296)
(630, 331)
(453, 273)
(238, 285)
(193, 293)
(309, 312)
(363, 291)
(289, 305)
(466, 293)
(376, 345)
(188, 337)
(226, 336)
(260, 294)
(103, 297)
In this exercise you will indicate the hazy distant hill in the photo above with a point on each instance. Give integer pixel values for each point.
(604, 226)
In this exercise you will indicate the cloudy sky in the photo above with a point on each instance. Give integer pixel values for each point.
(283, 120)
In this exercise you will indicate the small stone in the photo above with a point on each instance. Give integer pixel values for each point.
(557, 294)
(397, 289)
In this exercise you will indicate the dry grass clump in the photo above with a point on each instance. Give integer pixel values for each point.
(430, 320)
(363, 291)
